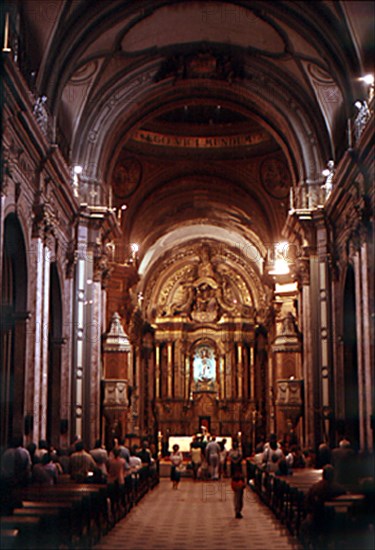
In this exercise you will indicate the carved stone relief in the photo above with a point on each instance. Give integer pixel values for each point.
(204, 291)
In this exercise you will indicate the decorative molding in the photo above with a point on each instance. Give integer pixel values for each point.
(289, 398)
(45, 219)
(115, 394)
(201, 64)
(289, 340)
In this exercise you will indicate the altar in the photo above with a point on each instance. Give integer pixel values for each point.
(200, 365)
(184, 442)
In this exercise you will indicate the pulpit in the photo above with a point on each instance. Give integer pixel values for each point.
(289, 399)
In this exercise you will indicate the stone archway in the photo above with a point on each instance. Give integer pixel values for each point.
(13, 331)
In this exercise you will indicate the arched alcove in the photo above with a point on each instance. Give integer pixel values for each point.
(13, 329)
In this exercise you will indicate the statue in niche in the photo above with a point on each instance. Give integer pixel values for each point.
(205, 298)
(288, 325)
(205, 268)
(204, 295)
(204, 365)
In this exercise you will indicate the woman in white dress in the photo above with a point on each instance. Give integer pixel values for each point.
(176, 458)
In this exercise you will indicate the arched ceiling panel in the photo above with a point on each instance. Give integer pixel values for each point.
(224, 105)
(249, 246)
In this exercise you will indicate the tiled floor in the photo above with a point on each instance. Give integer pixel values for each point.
(197, 515)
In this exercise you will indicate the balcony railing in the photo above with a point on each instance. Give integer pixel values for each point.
(308, 196)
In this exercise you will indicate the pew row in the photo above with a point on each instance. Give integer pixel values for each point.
(70, 514)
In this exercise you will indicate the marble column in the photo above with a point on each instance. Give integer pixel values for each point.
(93, 354)
(367, 341)
(79, 348)
(176, 368)
(138, 397)
(252, 373)
(66, 362)
(228, 370)
(169, 369)
(187, 376)
(239, 371)
(41, 340)
(308, 367)
(360, 348)
(324, 350)
(222, 376)
(157, 370)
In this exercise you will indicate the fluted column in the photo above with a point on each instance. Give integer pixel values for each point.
(359, 329)
(368, 359)
(228, 369)
(157, 370)
(169, 368)
(239, 371)
(222, 376)
(187, 376)
(251, 369)
(177, 369)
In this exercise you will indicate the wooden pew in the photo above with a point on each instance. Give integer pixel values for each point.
(29, 533)
(8, 538)
(88, 502)
(81, 508)
(55, 527)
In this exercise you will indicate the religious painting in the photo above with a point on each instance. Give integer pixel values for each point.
(204, 364)
(275, 177)
(126, 177)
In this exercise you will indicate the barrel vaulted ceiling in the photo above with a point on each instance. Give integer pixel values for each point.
(197, 114)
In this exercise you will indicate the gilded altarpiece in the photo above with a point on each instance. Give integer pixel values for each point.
(203, 304)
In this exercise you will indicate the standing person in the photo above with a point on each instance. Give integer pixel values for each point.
(45, 471)
(235, 457)
(176, 461)
(323, 456)
(81, 463)
(43, 449)
(238, 486)
(124, 451)
(100, 455)
(145, 453)
(272, 454)
(196, 456)
(213, 458)
(116, 482)
(135, 462)
(343, 459)
(223, 458)
(315, 528)
(16, 464)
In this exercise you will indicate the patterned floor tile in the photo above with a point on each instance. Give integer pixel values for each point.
(197, 515)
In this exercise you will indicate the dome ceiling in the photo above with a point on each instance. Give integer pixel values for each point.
(198, 114)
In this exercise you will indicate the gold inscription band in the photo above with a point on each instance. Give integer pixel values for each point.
(199, 142)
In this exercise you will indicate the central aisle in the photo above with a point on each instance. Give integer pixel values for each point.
(198, 515)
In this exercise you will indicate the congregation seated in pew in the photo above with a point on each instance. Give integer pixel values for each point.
(317, 522)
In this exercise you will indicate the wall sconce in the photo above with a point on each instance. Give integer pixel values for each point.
(368, 79)
(134, 253)
(77, 171)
